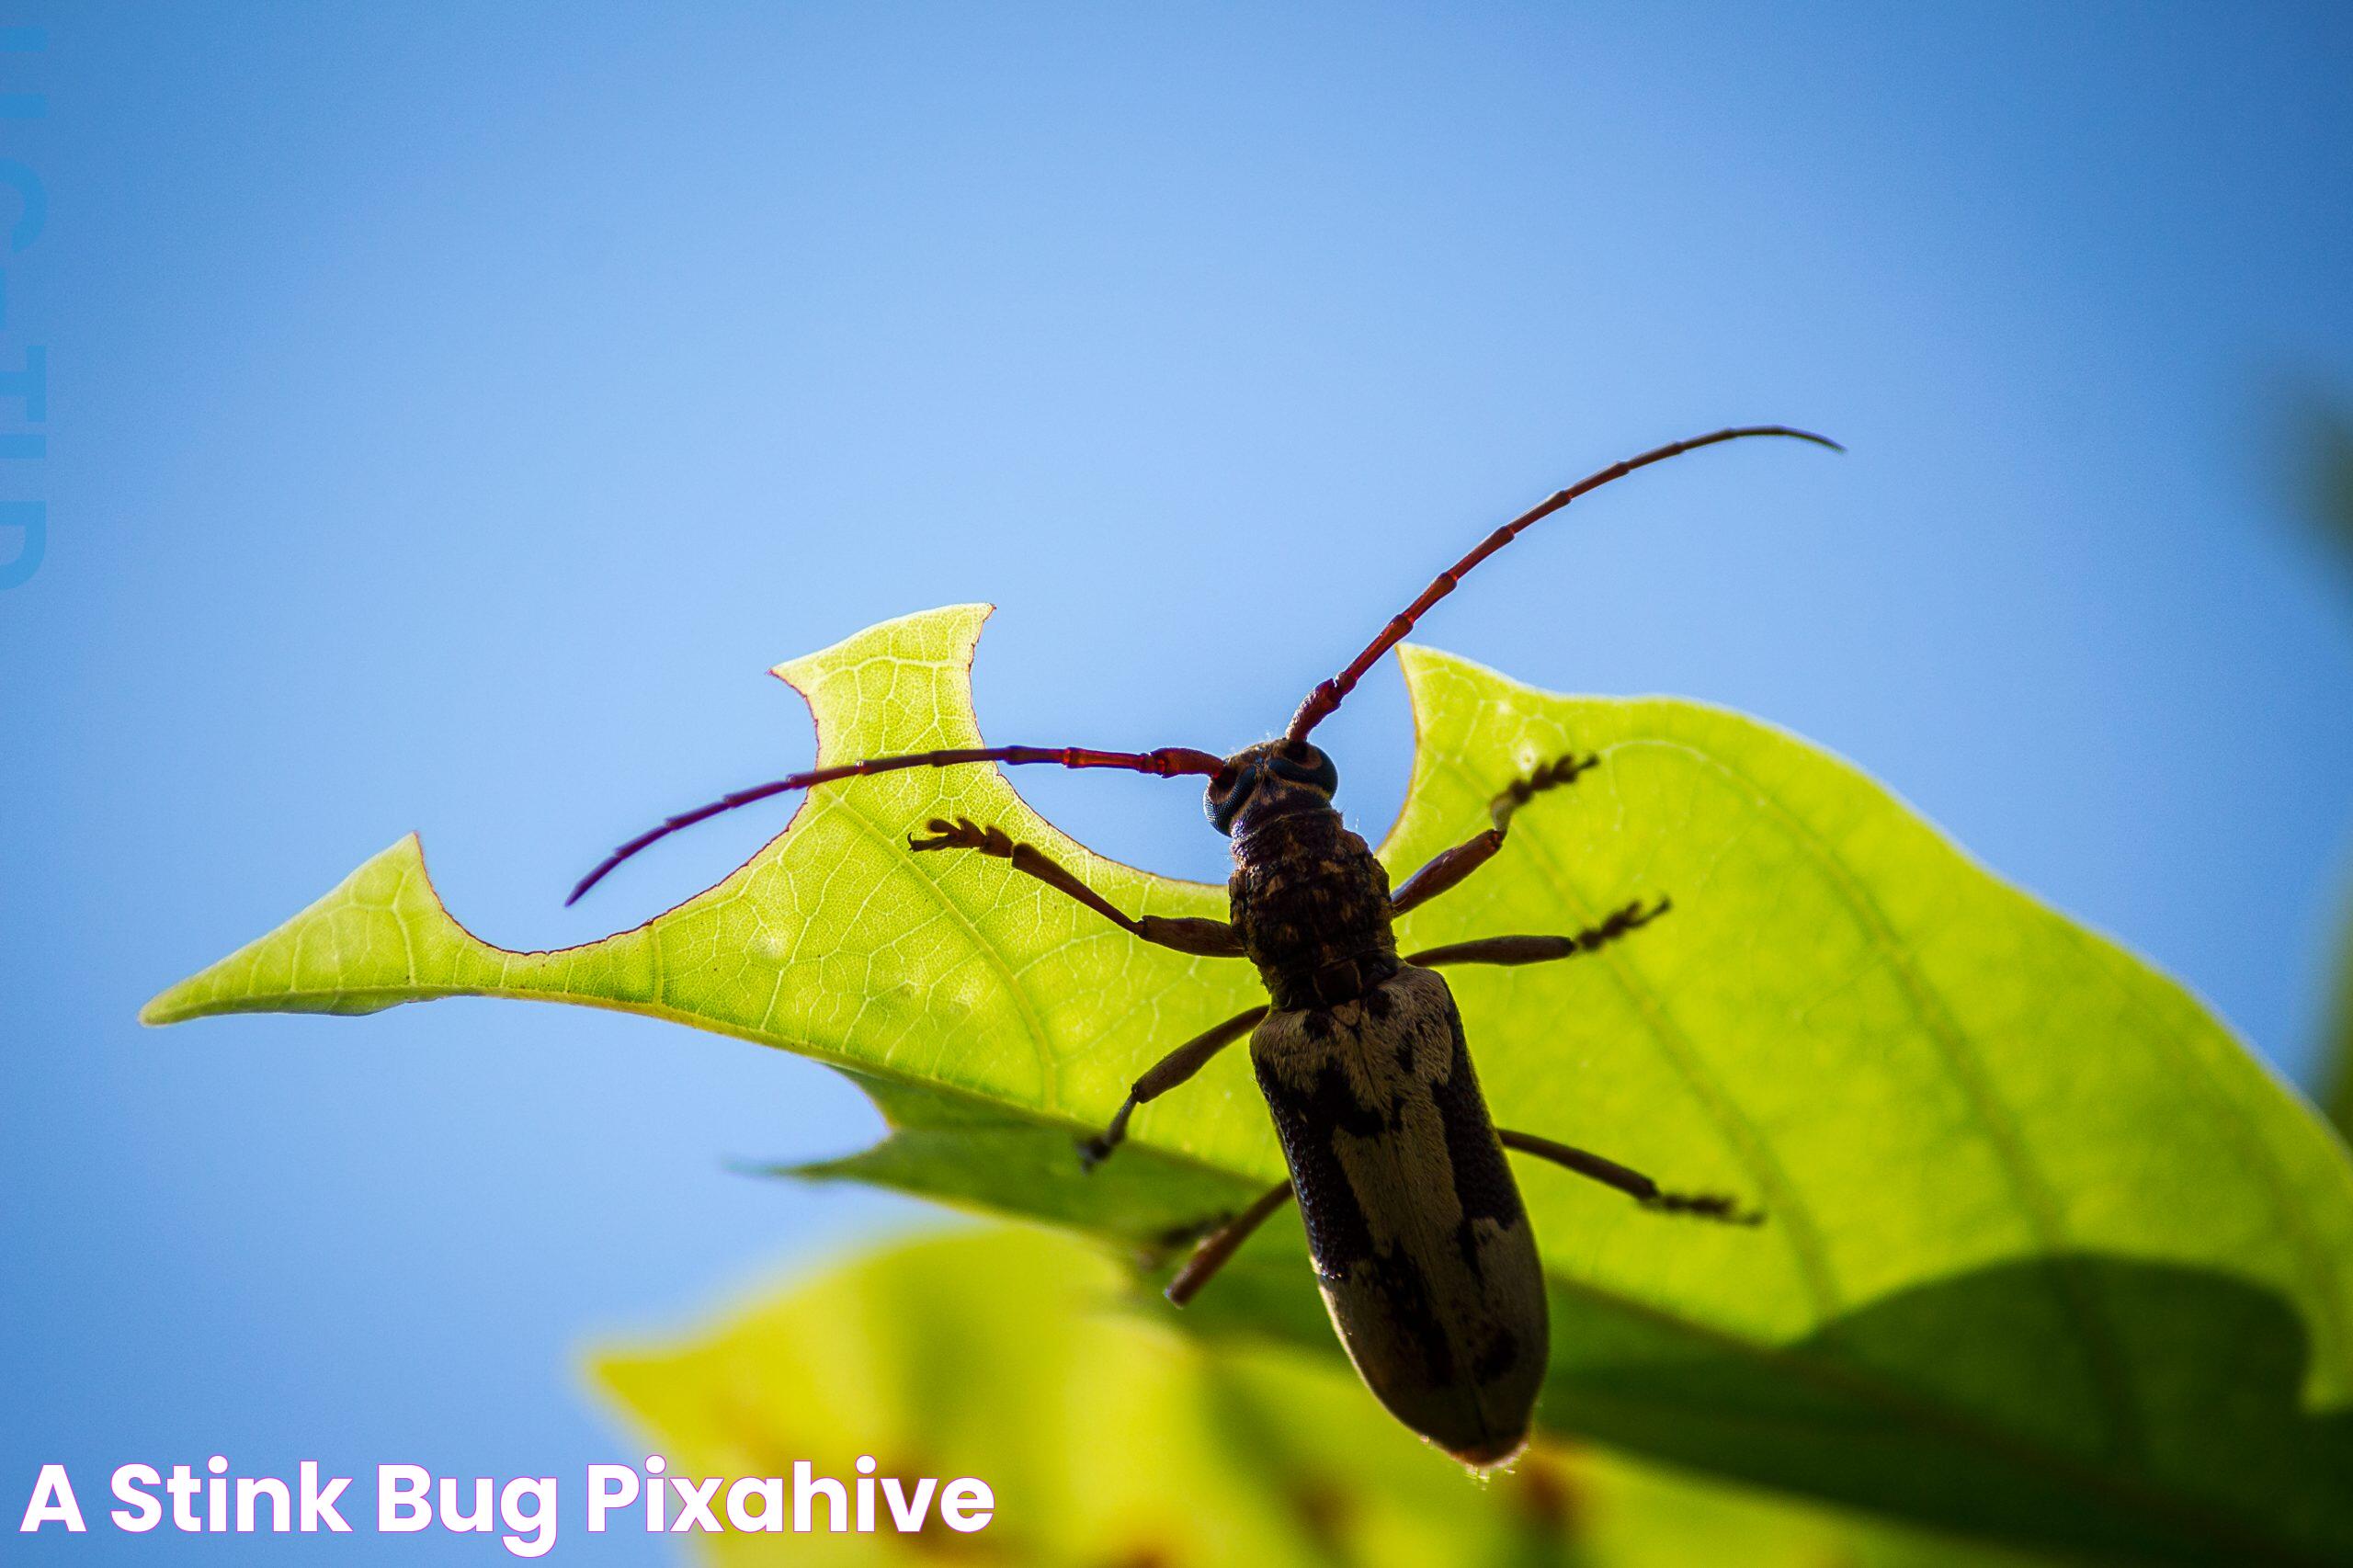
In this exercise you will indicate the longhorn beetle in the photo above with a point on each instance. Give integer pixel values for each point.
(1421, 1247)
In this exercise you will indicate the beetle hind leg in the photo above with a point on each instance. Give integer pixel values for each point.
(1221, 1244)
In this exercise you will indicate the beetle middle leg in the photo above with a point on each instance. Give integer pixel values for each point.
(1632, 1183)
(1449, 866)
(1222, 1243)
(1542, 950)
(1163, 1075)
(1204, 938)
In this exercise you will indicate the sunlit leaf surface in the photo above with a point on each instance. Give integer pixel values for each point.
(2050, 1257)
(2336, 1060)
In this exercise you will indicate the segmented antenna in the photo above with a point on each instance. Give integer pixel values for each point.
(1168, 762)
(1327, 696)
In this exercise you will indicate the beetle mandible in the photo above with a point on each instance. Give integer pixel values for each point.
(1421, 1247)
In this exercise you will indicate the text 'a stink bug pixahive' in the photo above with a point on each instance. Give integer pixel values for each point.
(1420, 1244)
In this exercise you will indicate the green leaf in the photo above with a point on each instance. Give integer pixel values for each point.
(1107, 1438)
(2331, 427)
(2049, 1257)
(2337, 1048)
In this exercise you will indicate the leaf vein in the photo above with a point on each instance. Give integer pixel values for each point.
(2078, 1297)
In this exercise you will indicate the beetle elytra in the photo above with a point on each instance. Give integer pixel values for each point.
(1421, 1246)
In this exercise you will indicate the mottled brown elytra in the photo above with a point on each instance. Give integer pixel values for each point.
(1421, 1247)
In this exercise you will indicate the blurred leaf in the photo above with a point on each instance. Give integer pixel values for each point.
(2051, 1258)
(2332, 509)
(1111, 1440)
(2337, 1064)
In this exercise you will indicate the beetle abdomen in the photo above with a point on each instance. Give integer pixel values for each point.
(1421, 1246)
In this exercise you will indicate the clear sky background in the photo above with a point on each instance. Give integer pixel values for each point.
(455, 409)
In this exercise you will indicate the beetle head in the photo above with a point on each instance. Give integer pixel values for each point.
(1273, 779)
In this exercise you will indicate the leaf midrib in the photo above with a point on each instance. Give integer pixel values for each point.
(2094, 1331)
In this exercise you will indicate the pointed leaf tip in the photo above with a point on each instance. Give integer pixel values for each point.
(379, 938)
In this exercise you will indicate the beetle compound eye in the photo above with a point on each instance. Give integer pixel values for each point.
(1302, 764)
(1227, 791)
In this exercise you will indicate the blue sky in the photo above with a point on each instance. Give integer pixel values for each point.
(454, 409)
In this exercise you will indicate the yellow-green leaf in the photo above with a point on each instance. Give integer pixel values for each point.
(1107, 1438)
(2337, 1046)
(2050, 1257)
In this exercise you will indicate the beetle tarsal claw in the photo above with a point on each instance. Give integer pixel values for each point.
(1632, 917)
(1548, 776)
(961, 834)
(1704, 1206)
(947, 839)
(1094, 1151)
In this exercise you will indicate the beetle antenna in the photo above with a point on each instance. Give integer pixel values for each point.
(1327, 696)
(1168, 762)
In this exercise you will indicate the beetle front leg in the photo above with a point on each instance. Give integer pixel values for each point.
(1163, 1075)
(1632, 1183)
(1204, 938)
(1222, 1243)
(1542, 950)
(1450, 867)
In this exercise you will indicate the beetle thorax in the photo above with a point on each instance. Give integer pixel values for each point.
(1312, 905)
